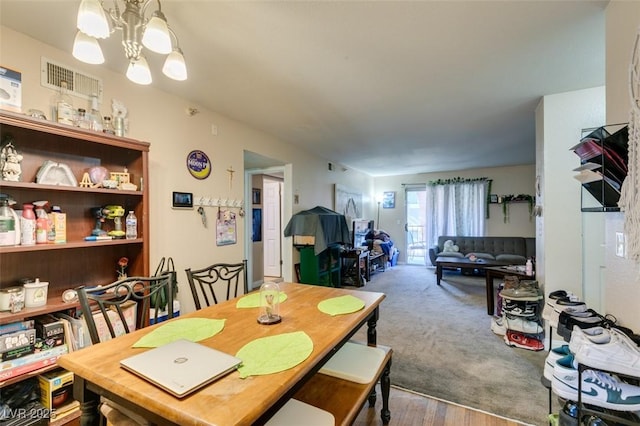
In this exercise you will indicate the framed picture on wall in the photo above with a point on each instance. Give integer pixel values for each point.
(255, 196)
(389, 200)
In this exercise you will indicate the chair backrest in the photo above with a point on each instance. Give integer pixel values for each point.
(203, 282)
(110, 305)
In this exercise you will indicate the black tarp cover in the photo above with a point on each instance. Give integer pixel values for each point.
(328, 227)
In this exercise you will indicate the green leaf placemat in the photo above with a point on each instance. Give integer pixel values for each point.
(273, 354)
(194, 329)
(253, 300)
(341, 305)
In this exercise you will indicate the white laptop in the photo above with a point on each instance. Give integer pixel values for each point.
(182, 366)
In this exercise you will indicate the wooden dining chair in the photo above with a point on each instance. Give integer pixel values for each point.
(204, 282)
(108, 310)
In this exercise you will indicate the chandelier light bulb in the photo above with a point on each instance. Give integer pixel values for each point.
(94, 22)
(92, 19)
(87, 49)
(175, 67)
(139, 72)
(156, 35)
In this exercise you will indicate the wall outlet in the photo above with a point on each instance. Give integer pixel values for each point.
(620, 249)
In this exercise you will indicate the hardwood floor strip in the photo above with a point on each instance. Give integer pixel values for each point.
(413, 409)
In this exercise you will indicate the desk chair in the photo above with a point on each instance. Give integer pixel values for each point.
(111, 301)
(229, 274)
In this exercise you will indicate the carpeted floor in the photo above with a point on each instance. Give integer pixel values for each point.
(443, 345)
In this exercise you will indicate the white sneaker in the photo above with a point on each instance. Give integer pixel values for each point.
(553, 297)
(580, 336)
(497, 326)
(618, 354)
(568, 306)
(598, 388)
(554, 355)
(522, 324)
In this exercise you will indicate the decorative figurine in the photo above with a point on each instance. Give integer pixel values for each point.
(10, 163)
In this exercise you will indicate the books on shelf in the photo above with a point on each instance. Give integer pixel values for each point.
(29, 363)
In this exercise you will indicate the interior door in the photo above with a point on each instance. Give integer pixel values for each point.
(272, 228)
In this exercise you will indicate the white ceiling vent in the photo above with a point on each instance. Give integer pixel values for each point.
(78, 84)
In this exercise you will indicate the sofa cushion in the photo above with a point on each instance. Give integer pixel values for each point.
(450, 254)
(479, 255)
(513, 259)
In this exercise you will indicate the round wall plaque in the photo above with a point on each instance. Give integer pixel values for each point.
(198, 164)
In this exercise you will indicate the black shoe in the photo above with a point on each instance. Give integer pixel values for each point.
(587, 319)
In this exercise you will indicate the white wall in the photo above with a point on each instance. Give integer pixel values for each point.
(506, 180)
(160, 118)
(622, 296)
(560, 119)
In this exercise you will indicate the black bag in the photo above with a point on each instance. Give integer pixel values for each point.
(161, 299)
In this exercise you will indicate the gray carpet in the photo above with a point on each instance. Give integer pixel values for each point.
(443, 345)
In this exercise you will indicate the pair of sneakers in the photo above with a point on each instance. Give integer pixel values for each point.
(606, 349)
(522, 290)
(500, 325)
(561, 301)
(597, 387)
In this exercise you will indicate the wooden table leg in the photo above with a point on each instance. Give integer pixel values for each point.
(89, 403)
(372, 322)
(489, 284)
(385, 386)
(438, 272)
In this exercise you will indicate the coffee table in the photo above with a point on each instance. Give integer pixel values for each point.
(492, 272)
(463, 262)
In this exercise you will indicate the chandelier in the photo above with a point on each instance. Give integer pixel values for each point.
(138, 32)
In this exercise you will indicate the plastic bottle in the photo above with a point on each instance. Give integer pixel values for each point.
(28, 225)
(528, 267)
(42, 223)
(7, 224)
(62, 106)
(95, 118)
(131, 225)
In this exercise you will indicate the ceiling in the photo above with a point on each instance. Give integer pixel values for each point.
(384, 87)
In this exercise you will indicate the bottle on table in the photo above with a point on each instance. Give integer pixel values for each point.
(528, 267)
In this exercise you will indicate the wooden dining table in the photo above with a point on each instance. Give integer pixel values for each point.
(229, 400)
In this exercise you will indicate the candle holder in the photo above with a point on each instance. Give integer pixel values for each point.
(269, 304)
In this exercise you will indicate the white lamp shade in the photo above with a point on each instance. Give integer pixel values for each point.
(156, 35)
(174, 66)
(92, 19)
(87, 49)
(138, 71)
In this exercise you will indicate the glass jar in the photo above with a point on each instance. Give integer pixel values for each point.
(269, 304)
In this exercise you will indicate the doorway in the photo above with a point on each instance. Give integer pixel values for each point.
(415, 225)
(272, 227)
(256, 167)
